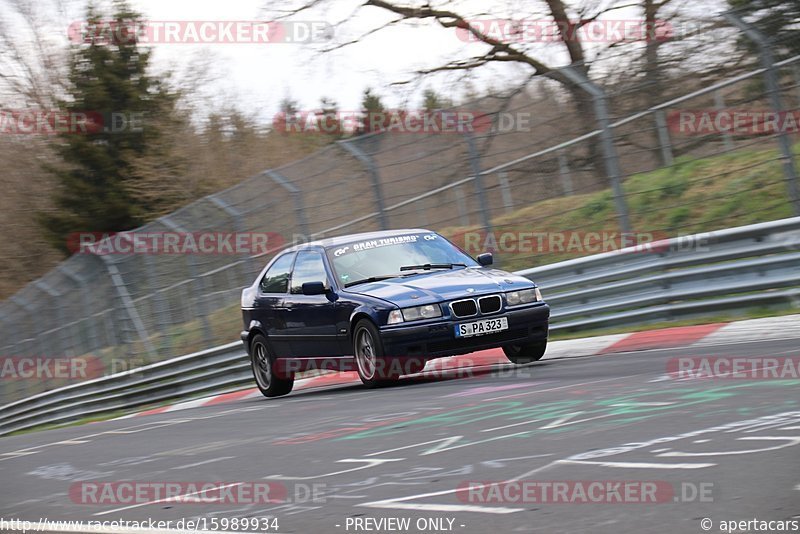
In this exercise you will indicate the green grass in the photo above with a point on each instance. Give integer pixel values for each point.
(689, 197)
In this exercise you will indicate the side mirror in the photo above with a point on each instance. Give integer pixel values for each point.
(314, 288)
(485, 259)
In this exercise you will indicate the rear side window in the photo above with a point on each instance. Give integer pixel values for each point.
(276, 279)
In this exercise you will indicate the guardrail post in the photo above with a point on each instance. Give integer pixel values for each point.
(607, 136)
(377, 189)
(297, 198)
(773, 89)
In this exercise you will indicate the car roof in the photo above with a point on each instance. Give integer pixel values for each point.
(352, 238)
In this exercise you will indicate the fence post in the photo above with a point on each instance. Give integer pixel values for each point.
(566, 175)
(297, 198)
(477, 173)
(236, 216)
(663, 138)
(461, 206)
(600, 101)
(773, 88)
(719, 105)
(505, 191)
(377, 190)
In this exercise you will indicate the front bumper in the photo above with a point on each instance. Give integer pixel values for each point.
(437, 339)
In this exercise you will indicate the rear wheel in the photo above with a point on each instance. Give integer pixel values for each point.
(262, 362)
(370, 362)
(527, 353)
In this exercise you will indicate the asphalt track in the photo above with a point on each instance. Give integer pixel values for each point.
(727, 450)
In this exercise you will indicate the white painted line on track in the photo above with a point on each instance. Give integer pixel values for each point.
(511, 425)
(204, 462)
(637, 465)
(401, 502)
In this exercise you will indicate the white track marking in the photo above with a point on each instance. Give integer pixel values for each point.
(401, 502)
(212, 460)
(791, 442)
(511, 425)
(637, 465)
(369, 463)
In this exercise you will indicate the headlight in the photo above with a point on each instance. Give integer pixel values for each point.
(525, 296)
(429, 311)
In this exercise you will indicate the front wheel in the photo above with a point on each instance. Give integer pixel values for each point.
(370, 362)
(262, 361)
(527, 353)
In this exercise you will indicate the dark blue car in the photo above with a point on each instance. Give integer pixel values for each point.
(384, 303)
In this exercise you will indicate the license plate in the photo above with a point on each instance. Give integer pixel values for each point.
(482, 327)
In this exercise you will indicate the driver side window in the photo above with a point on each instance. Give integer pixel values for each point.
(309, 267)
(276, 279)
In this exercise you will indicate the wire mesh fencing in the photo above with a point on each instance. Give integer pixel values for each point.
(552, 172)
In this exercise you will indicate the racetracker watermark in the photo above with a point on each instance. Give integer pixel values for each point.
(174, 243)
(216, 492)
(742, 368)
(44, 368)
(199, 32)
(570, 242)
(585, 492)
(741, 122)
(44, 122)
(551, 31)
(398, 121)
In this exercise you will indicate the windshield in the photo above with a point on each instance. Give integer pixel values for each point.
(384, 257)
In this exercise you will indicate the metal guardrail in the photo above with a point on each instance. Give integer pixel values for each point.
(733, 269)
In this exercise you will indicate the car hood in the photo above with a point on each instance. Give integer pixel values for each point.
(442, 285)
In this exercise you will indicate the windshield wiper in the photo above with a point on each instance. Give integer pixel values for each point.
(371, 279)
(429, 266)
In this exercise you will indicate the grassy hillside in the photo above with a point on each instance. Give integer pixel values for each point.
(689, 197)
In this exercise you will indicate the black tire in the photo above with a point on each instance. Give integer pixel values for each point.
(262, 360)
(371, 365)
(530, 352)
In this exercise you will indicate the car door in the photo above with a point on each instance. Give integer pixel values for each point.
(269, 307)
(311, 319)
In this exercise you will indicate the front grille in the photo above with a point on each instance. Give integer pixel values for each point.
(490, 304)
(464, 308)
